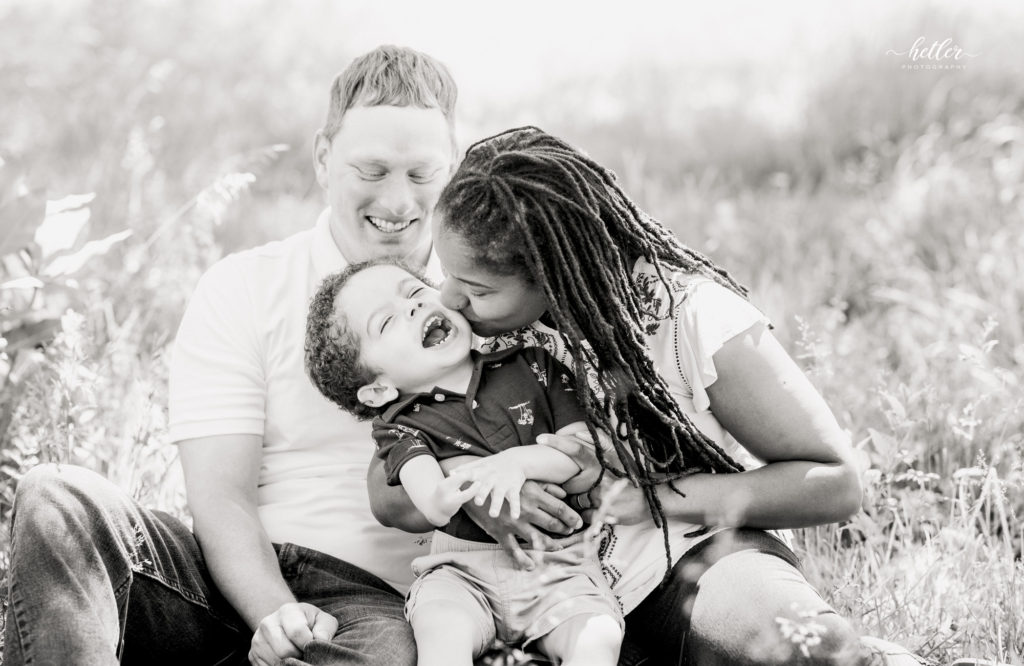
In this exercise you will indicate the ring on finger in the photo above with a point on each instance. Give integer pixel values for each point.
(579, 502)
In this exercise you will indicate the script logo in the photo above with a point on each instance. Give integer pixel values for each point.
(944, 54)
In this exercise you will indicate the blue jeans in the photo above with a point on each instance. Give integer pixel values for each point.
(97, 579)
(738, 598)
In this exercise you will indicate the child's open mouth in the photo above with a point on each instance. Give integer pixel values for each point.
(436, 330)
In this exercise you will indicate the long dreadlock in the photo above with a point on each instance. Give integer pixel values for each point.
(530, 204)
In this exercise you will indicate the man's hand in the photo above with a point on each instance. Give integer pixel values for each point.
(285, 633)
(541, 507)
(492, 476)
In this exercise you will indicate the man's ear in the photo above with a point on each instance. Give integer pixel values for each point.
(377, 394)
(321, 157)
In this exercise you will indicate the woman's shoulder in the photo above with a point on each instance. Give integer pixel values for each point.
(679, 296)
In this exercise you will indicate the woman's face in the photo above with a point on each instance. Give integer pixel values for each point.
(492, 302)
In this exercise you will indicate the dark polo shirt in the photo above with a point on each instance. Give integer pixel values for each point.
(514, 395)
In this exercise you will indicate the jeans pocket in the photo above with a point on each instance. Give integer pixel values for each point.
(291, 559)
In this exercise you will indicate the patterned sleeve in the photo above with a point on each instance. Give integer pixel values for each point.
(559, 386)
(397, 444)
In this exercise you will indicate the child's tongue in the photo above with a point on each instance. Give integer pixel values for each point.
(434, 337)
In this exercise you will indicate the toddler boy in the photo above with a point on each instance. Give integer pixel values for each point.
(380, 344)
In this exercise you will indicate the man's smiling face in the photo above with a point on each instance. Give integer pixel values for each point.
(383, 172)
(406, 336)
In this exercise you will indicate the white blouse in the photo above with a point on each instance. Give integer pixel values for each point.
(681, 345)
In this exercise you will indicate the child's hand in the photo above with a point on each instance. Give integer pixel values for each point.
(450, 496)
(490, 476)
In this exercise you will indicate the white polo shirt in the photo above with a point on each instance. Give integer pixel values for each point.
(238, 369)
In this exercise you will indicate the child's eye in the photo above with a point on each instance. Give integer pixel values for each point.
(384, 324)
(415, 291)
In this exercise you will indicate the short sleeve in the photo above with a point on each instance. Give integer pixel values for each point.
(708, 317)
(217, 382)
(397, 444)
(559, 386)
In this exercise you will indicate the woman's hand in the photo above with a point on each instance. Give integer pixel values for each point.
(618, 501)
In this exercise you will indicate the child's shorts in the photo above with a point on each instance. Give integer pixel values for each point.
(512, 604)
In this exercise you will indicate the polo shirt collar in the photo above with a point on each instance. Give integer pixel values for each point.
(328, 259)
(479, 360)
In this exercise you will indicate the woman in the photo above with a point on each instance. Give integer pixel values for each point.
(721, 434)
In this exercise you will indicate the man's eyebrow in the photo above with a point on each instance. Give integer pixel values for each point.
(388, 161)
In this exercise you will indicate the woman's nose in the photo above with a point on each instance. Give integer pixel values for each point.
(452, 298)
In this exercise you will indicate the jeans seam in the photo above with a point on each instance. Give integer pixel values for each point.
(16, 616)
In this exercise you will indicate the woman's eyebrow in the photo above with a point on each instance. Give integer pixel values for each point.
(469, 282)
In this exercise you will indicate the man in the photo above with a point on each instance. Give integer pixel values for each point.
(287, 561)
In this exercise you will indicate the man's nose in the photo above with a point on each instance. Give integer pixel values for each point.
(451, 297)
(396, 196)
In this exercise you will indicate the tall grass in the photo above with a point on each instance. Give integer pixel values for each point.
(883, 233)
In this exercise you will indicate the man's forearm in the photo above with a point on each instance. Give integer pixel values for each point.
(241, 559)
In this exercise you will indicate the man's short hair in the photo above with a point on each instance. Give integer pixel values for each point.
(391, 76)
(333, 352)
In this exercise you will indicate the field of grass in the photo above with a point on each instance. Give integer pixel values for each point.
(883, 233)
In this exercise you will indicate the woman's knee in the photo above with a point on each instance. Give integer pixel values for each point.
(827, 639)
(753, 607)
(822, 639)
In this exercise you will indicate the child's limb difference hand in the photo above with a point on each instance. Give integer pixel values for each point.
(436, 497)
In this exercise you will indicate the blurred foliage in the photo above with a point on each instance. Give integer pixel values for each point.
(878, 218)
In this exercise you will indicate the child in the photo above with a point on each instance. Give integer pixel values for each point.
(379, 343)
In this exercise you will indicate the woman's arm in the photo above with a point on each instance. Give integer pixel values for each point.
(766, 402)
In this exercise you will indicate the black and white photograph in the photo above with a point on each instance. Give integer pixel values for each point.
(460, 333)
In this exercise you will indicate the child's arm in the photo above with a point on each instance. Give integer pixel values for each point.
(502, 475)
(438, 498)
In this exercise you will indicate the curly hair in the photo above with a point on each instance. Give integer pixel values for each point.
(332, 348)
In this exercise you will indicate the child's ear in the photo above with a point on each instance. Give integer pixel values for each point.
(377, 394)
